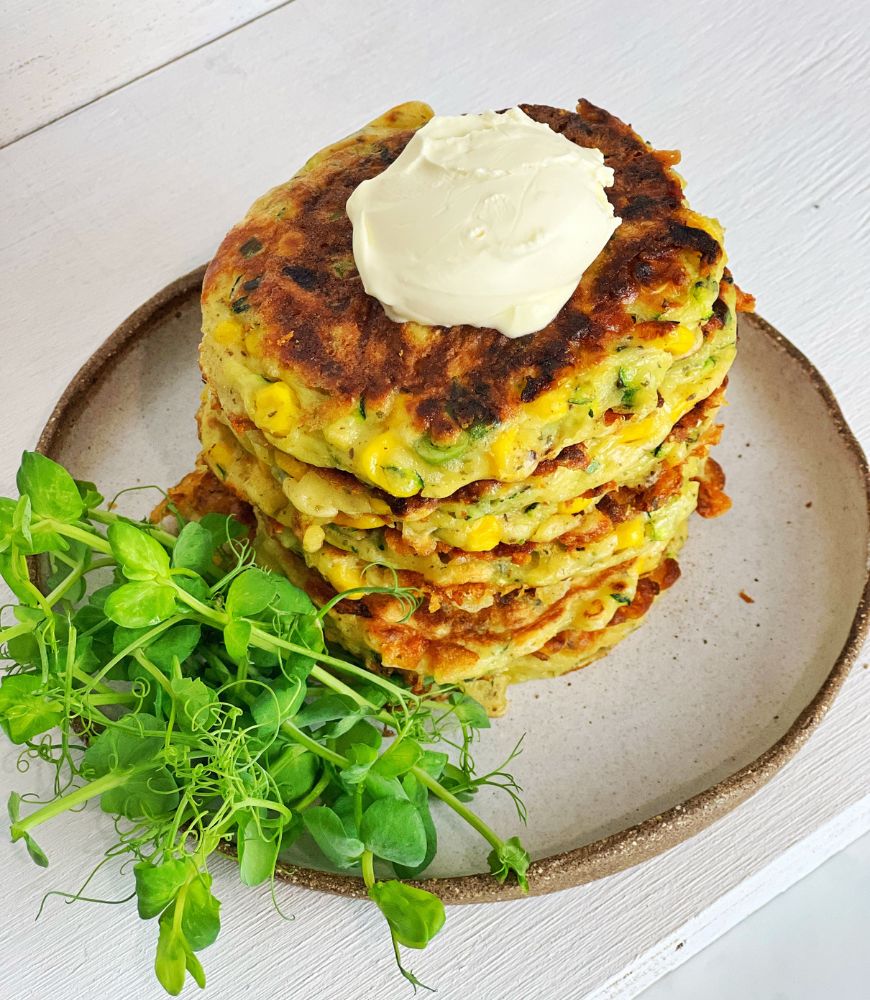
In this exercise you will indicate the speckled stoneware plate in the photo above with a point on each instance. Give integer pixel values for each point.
(687, 717)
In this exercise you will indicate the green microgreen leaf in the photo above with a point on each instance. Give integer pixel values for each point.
(294, 771)
(37, 855)
(22, 518)
(419, 796)
(135, 605)
(433, 762)
(196, 706)
(379, 787)
(360, 732)
(250, 593)
(237, 639)
(511, 856)
(143, 795)
(201, 921)
(361, 757)
(280, 703)
(194, 549)
(157, 885)
(415, 916)
(469, 711)
(176, 643)
(170, 963)
(140, 556)
(7, 517)
(51, 489)
(134, 739)
(329, 834)
(291, 600)
(399, 758)
(14, 572)
(25, 708)
(393, 830)
(222, 528)
(258, 852)
(195, 586)
(91, 496)
(329, 708)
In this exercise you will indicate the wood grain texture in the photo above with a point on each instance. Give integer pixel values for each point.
(104, 207)
(56, 57)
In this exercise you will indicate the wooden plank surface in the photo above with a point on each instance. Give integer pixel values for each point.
(56, 57)
(104, 207)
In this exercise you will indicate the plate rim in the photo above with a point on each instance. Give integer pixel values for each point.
(607, 855)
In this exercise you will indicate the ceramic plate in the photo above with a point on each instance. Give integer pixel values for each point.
(691, 714)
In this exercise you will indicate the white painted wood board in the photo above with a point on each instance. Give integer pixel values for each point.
(58, 56)
(808, 943)
(100, 209)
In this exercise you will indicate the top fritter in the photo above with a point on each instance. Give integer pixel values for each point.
(293, 343)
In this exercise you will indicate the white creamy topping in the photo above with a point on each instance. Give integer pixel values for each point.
(487, 220)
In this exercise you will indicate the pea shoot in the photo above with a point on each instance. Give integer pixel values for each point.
(197, 701)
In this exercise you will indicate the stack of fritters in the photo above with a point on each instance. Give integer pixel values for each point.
(533, 491)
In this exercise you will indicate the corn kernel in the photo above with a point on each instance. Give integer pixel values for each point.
(630, 534)
(576, 505)
(647, 563)
(359, 521)
(379, 463)
(680, 341)
(638, 430)
(484, 535)
(276, 409)
(344, 577)
(313, 538)
(503, 452)
(292, 466)
(550, 406)
(220, 457)
(226, 332)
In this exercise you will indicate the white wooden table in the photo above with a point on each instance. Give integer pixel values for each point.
(135, 134)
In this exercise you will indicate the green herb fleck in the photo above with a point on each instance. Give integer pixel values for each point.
(250, 247)
(342, 267)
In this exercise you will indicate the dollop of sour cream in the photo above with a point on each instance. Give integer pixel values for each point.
(487, 220)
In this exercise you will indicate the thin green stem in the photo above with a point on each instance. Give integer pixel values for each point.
(87, 680)
(153, 670)
(89, 538)
(311, 744)
(458, 807)
(264, 804)
(23, 573)
(314, 794)
(272, 643)
(367, 863)
(116, 698)
(268, 642)
(76, 798)
(107, 517)
(143, 640)
(74, 577)
(211, 616)
(14, 631)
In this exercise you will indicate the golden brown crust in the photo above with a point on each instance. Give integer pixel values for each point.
(295, 278)
(712, 499)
